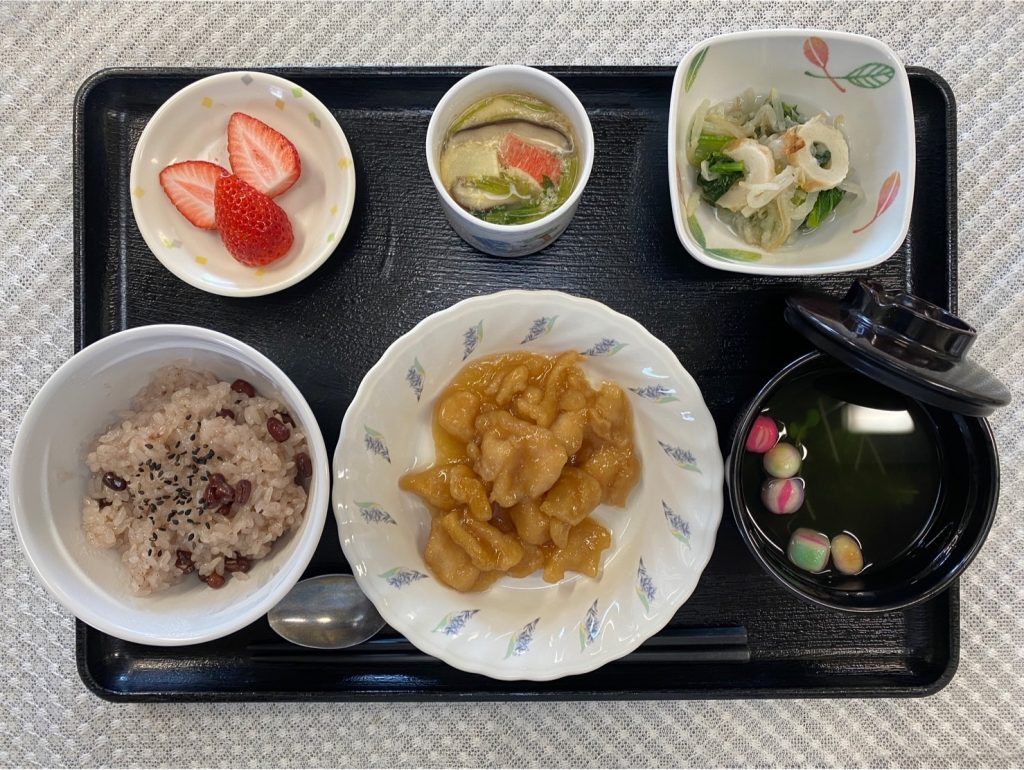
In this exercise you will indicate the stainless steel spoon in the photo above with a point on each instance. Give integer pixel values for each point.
(327, 612)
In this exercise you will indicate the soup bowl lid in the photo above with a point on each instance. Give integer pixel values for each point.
(902, 341)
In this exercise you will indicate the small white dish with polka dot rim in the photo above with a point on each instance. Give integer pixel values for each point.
(192, 125)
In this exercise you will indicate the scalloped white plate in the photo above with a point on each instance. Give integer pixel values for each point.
(192, 125)
(528, 629)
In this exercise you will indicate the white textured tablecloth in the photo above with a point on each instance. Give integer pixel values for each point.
(47, 717)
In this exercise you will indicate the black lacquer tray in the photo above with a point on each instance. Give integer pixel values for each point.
(740, 635)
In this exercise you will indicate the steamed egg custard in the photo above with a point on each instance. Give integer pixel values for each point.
(510, 159)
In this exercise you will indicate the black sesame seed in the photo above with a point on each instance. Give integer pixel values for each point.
(149, 446)
(192, 437)
(149, 552)
(188, 416)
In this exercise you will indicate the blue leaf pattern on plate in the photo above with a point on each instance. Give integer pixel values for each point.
(375, 443)
(657, 393)
(680, 529)
(374, 514)
(401, 576)
(645, 586)
(520, 643)
(590, 627)
(472, 338)
(539, 328)
(454, 622)
(682, 458)
(415, 378)
(606, 347)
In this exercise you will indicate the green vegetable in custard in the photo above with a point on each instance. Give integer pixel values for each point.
(531, 104)
(510, 215)
(728, 171)
(497, 185)
(708, 145)
(569, 173)
(790, 111)
(823, 206)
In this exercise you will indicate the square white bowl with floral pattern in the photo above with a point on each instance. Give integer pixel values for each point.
(836, 73)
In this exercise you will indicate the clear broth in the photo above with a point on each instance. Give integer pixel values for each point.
(871, 467)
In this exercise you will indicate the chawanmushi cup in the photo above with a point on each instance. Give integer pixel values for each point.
(912, 350)
(514, 240)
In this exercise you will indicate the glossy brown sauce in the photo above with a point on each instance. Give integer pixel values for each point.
(526, 449)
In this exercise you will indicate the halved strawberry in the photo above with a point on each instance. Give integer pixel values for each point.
(261, 156)
(255, 230)
(533, 160)
(190, 186)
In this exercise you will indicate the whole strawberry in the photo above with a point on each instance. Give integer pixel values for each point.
(255, 230)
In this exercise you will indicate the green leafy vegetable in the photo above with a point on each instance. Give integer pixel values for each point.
(713, 189)
(725, 165)
(568, 180)
(708, 145)
(531, 104)
(790, 111)
(496, 185)
(823, 206)
(511, 215)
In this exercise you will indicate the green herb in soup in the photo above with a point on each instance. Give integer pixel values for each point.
(510, 159)
(842, 474)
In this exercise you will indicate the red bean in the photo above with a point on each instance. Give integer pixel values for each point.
(304, 465)
(226, 413)
(218, 491)
(242, 491)
(214, 579)
(237, 564)
(241, 386)
(184, 562)
(115, 482)
(277, 429)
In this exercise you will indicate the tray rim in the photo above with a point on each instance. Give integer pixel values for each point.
(529, 691)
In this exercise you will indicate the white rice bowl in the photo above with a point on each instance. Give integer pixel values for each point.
(50, 479)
